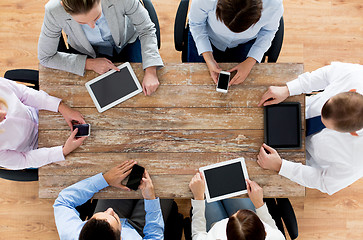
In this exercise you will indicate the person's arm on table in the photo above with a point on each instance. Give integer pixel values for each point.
(255, 193)
(149, 46)
(305, 83)
(154, 223)
(198, 16)
(326, 180)
(197, 186)
(66, 216)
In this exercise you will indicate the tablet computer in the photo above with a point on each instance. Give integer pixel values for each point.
(112, 88)
(283, 125)
(225, 179)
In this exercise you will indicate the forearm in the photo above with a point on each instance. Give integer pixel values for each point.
(199, 230)
(32, 159)
(154, 223)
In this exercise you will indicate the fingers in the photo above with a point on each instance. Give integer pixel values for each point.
(112, 66)
(270, 149)
(147, 176)
(73, 134)
(234, 79)
(144, 89)
(235, 68)
(267, 95)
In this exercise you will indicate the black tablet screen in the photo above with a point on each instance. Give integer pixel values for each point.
(283, 126)
(113, 87)
(225, 179)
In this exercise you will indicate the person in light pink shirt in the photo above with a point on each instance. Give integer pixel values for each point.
(19, 107)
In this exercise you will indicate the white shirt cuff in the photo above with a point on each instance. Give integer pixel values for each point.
(286, 169)
(294, 87)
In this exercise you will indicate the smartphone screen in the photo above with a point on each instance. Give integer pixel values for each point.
(135, 177)
(223, 81)
(83, 130)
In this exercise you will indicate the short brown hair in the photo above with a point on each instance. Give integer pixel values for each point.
(245, 225)
(95, 229)
(239, 15)
(79, 6)
(345, 110)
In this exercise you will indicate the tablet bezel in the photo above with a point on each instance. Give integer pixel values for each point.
(120, 100)
(299, 133)
(220, 164)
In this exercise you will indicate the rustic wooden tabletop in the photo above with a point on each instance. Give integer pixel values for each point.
(184, 125)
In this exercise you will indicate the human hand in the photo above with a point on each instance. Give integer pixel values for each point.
(271, 161)
(255, 192)
(150, 82)
(197, 186)
(274, 95)
(70, 115)
(100, 65)
(116, 174)
(243, 69)
(72, 143)
(147, 187)
(212, 65)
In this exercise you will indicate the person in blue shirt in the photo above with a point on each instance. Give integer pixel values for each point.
(232, 31)
(111, 223)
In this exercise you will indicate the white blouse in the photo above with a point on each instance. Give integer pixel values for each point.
(19, 130)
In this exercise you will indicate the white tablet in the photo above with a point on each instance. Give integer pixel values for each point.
(225, 179)
(112, 88)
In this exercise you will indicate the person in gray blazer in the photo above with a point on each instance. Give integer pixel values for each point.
(99, 32)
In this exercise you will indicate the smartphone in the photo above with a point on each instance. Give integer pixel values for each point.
(84, 130)
(135, 177)
(223, 80)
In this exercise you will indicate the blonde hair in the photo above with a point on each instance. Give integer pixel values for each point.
(3, 103)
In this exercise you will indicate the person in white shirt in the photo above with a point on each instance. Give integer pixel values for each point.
(238, 222)
(334, 154)
(232, 31)
(19, 107)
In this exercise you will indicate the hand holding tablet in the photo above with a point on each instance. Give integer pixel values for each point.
(225, 179)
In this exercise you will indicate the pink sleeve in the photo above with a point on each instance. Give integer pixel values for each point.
(33, 159)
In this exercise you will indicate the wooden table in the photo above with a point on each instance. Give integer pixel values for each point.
(186, 124)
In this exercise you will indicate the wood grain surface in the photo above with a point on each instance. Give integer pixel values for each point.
(186, 124)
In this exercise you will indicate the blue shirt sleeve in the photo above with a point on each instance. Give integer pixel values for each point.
(66, 216)
(266, 34)
(154, 223)
(198, 17)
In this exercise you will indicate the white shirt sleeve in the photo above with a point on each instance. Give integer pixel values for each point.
(198, 16)
(309, 82)
(33, 98)
(273, 232)
(199, 229)
(327, 180)
(33, 159)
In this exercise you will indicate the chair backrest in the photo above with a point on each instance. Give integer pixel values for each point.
(181, 29)
(29, 76)
(154, 18)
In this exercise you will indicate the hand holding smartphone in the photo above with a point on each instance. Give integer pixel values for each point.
(135, 177)
(223, 81)
(84, 130)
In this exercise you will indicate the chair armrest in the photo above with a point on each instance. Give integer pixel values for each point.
(288, 216)
(154, 18)
(180, 23)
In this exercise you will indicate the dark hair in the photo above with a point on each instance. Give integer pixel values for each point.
(239, 15)
(99, 229)
(245, 225)
(345, 110)
(79, 6)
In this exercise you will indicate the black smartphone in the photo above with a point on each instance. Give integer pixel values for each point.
(84, 130)
(135, 177)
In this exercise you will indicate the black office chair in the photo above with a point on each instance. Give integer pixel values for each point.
(31, 77)
(181, 29)
(280, 210)
(153, 16)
